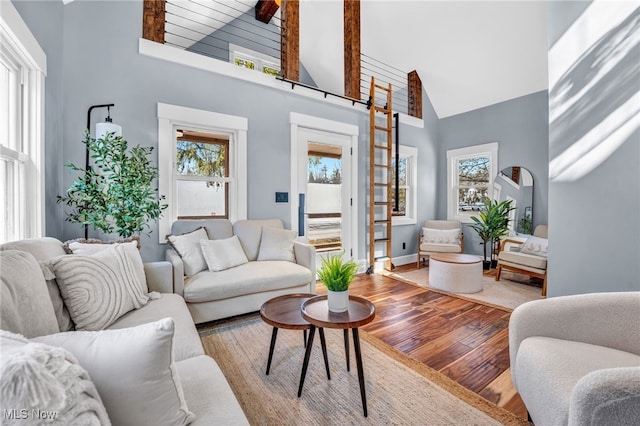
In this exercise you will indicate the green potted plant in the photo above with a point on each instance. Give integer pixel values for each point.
(116, 193)
(337, 275)
(492, 223)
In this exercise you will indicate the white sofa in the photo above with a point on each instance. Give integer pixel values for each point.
(244, 288)
(35, 310)
(576, 359)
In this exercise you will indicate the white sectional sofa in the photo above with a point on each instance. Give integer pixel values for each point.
(35, 309)
(245, 287)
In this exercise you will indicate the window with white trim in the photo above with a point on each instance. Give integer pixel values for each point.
(250, 59)
(202, 162)
(22, 74)
(470, 174)
(406, 211)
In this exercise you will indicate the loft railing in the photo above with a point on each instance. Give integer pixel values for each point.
(251, 35)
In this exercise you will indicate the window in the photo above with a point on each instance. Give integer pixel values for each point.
(406, 212)
(470, 173)
(252, 60)
(22, 74)
(202, 162)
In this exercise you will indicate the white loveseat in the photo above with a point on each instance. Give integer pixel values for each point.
(35, 309)
(243, 288)
(576, 359)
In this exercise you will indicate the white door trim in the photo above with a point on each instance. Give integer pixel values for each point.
(301, 121)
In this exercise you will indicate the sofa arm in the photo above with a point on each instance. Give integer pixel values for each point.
(608, 396)
(601, 319)
(159, 276)
(178, 271)
(306, 256)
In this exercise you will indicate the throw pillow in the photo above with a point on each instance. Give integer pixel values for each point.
(99, 289)
(133, 370)
(277, 244)
(41, 379)
(90, 246)
(441, 236)
(188, 248)
(26, 307)
(223, 254)
(535, 245)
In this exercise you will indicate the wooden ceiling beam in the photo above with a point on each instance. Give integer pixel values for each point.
(352, 49)
(153, 16)
(290, 40)
(414, 88)
(265, 9)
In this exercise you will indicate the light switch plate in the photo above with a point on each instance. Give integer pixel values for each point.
(282, 197)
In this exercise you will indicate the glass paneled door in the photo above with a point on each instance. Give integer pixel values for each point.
(324, 172)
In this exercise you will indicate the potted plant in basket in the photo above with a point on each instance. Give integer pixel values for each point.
(337, 275)
(116, 193)
(491, 224)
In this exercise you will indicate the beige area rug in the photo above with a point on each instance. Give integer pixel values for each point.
(509, 292)
(400, 390)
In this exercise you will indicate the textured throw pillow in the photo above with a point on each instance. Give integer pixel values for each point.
(441, 236)
(223, 254)
(188, 248)
(38, 378)
(133, 370)
(535, 245)
(99, 289)
(277, 244)
(87, 247)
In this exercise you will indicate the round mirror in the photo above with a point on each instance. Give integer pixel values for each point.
(516, 184)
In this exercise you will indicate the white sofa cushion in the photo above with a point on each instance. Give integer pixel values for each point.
(188, 248)
(89, 246)
(277, 244)
(536, 246)
(35, 376)
(524, 259)
(249, 233)
(440, 248)
(441, 236)
(133, 370)
(25, 307)
(223, 254)
(548, 395)
(186, 342)
(208, 394)
(252, 277)
(99, 289)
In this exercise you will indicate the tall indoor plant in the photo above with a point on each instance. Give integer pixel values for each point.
(491, 223)
(115, 194)
(337, 275)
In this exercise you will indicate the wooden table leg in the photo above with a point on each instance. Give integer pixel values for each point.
(274, 334)
(307, 354)
(346, 346)
(356, 348)
(324, 352)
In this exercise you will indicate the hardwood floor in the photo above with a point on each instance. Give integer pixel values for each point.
(466, 341)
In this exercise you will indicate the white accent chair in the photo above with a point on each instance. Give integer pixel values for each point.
(535, 265)
(575, 360)
(439, 236)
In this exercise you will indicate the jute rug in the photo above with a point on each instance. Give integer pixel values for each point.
(400, 390)
(510, 292)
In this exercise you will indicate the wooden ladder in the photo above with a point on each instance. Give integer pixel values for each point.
(380, 203)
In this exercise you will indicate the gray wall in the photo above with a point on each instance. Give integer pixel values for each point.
(520, 126)
(594, 222)
(101, 64)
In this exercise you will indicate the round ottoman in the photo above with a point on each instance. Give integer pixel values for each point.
(457, 273)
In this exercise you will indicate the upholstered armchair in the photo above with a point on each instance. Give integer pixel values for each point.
(575, 360)
(526, 257)
(440, 236)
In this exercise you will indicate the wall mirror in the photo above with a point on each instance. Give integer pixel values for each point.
(515, 183)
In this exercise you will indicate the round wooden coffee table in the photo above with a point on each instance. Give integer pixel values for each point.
(284, 312)
(454, 272)
(360, 312)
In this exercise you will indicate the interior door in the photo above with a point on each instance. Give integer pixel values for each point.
(324, 174)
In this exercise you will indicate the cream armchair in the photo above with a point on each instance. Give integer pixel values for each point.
(526, 257)
(575, 360)
(440, 236)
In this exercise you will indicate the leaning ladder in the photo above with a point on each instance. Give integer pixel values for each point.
(380, 145)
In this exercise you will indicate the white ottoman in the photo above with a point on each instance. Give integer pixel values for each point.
(456, 273)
